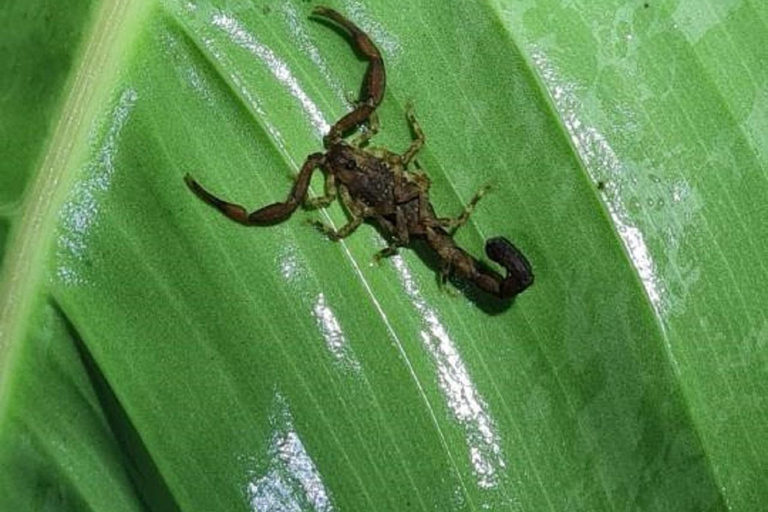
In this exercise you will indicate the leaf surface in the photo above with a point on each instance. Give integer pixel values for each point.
(155, 355)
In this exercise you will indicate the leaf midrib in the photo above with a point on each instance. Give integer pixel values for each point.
(105, 47)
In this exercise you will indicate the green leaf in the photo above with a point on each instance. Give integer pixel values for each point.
(156, 356)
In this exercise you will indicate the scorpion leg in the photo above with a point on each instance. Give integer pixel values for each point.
(357, 214)
(337, 234)
(326, 199)
(373, 129)
(418, 141)
(400, 239)
(389, 250)
(275, 212)
(374, 81)
(453, 224)
(442, 281)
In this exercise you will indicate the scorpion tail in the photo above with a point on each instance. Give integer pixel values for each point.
(519, 271)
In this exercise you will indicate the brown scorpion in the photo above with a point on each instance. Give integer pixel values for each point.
(374, 184)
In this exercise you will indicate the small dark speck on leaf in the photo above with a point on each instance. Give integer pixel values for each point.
(646, 5)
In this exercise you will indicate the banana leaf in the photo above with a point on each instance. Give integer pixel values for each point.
(155, 355)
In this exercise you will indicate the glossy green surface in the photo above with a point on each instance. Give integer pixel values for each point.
(156, 356)
(39, 43)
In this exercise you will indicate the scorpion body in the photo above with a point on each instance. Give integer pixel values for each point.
(374, 184)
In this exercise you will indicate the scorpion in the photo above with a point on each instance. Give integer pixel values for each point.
(375, 185)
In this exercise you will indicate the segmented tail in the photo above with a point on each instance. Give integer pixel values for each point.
(458, 262)
(519, 271)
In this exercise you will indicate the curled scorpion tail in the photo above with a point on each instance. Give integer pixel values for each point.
(519, 271)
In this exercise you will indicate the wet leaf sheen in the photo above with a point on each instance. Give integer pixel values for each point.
(156, 356)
